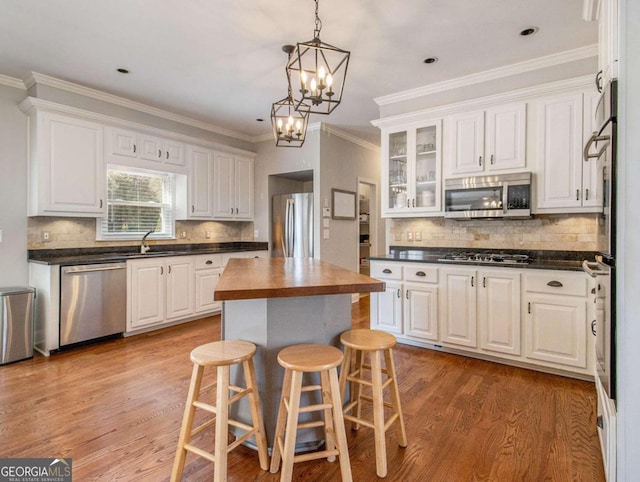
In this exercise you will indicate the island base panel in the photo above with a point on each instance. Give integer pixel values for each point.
(273, 324)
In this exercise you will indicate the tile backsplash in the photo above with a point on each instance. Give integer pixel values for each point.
(81, 233)
(556, 232)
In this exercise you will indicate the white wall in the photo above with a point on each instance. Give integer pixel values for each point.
(13, 189)
(342, 162)
(628, 336)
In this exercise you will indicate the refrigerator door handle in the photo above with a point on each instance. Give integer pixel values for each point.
(289, 220)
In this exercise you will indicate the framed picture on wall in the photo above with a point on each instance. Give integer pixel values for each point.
(343, 205)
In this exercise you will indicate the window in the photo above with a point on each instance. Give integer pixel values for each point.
(137, 201)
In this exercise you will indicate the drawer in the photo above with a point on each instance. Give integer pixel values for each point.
(421, 273)
(202, 261)
(386, 270)
(561, 284)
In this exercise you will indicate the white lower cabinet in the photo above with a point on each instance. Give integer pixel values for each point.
(208, 271)
(556, 319)
(458, 310)
(159, 290)
(532, 317)
(499, 311)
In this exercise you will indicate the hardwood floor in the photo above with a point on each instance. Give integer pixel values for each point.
(116, 408)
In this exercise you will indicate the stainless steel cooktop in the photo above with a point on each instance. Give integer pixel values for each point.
(488, 258)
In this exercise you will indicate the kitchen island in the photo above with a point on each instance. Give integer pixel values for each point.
(277, 302)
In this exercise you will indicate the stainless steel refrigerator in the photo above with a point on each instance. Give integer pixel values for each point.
(292, 226)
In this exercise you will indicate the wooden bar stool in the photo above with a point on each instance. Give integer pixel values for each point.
(297, 360)
(375, 343)
(221, 354)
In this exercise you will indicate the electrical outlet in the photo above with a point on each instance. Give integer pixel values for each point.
(397, 236)
(409, 236)
(183, 234)
(207, 235)
(46, 236)
(418, 236)
(325, 234)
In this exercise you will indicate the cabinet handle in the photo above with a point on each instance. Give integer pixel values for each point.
(159, 153)
(386, 271)
(599, 421)
(407, 295)
(599, 81)
(472, 278)
(593, 327)
(134, 148)
(161, 270)
(586, 194)
(208, 262)
(421, 273)
(193, 209)
(529, 307)
(577, 194)
(169, 269)
(413, 202)
(484, 281)
(101, 203)
(231, 212)
(408, 203)
(491, 158)
(167, 154)
(398, 292)
(237, 210)
(480, 161)
(555, 284)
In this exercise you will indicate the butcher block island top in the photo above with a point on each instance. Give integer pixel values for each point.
(252, 278)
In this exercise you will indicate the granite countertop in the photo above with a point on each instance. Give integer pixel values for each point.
(252, 278)
(114, 254)
(541, 259)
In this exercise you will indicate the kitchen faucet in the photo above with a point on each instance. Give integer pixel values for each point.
(144, 247)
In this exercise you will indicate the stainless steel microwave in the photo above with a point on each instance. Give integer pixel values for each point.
(498, 196)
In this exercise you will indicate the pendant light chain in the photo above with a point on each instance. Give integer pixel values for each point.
(316, 32)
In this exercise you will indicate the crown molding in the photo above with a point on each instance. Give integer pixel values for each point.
(11, 82)
(550, 88)
(33, 103)
(493, 74)
(42, 79)
(349, 137)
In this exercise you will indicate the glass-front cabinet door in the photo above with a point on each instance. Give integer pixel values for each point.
(412, 170)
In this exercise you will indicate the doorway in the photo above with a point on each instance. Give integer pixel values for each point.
(367, 223)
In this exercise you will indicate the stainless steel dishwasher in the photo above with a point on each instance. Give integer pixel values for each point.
(93, 301)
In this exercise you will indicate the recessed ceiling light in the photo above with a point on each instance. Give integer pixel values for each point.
(123, 71)
(528, 31)
(430, 60)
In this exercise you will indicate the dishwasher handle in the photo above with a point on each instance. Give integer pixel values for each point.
(90, 269)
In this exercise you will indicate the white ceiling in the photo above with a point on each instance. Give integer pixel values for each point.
(220, 61)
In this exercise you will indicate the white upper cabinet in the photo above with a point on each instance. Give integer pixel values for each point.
(411, 170)
(138, 145)
(66, 172)
(200, 183)
(232, 187)
(486, 140)
(565, 182)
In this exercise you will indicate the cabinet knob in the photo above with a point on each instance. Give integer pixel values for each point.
(386, 271)
(555, 284)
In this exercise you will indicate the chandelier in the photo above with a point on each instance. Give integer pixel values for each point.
(289, 123)
(316, 72)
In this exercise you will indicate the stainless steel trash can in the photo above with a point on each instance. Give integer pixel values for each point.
(16, 323)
